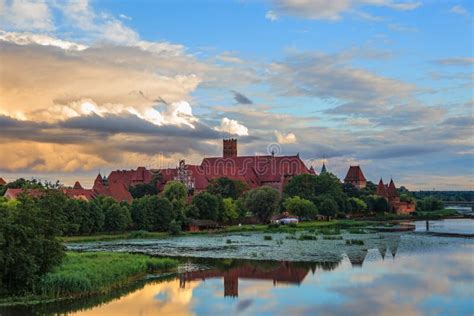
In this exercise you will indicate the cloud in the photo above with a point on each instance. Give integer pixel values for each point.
(459, 9)
(26, 15)
(240, 98)
(455, 61)
(330, 76)
(232, 127)
(272, 16)
(289, 138)
(44, 40)
(334, 10)
(125, 17)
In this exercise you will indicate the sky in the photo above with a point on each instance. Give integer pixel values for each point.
(89, 86)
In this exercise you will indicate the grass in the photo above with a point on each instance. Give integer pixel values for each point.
(115, 236)
(354, 242)
(91, 273)
(99, 272)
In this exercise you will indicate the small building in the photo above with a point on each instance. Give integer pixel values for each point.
(196, 225)
(2, 182)
(356, 177)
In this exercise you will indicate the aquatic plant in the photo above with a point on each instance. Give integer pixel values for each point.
(267, 237)
(354, 242)
(308, 237)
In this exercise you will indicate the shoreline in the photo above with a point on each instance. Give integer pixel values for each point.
(363, 222)
(101, 274)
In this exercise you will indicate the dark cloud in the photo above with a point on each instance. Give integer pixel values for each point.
(114, 124)
(240, 98)
(398, 151)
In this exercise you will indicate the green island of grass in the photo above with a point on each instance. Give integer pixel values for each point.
(87, 274)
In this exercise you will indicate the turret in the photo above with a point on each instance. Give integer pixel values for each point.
(229, 148)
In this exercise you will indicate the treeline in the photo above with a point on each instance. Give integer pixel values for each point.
(445, 195)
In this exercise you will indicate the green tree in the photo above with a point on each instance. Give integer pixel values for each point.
(357, 205)
(208, 205)
(226, 187)
(262, 202)
(381, 205)
(328, 207)
(229, 210)
(29, 247)
(175, 190)
(302, 208)
(303, 185)
(117, 217)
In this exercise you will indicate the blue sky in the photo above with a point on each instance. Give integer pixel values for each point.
(386, 84)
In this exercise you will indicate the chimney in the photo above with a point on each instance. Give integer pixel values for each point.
(230, 148)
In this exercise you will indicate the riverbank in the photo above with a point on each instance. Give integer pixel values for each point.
(88, 274)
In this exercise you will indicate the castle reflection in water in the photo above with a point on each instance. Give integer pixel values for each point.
(283, 272)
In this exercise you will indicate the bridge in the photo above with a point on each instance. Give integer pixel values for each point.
(460, 204)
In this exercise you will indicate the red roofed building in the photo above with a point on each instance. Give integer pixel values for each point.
(116, 188)
(355, 177)
(2, 182)
(254, 171)
(391, 194)
(13, 194)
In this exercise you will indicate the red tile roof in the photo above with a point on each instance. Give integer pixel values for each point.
(77, 186)
(2, 182)
(80, 194)
(354, 174)
(13, 194)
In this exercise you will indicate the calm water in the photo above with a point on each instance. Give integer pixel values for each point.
(447, 226)
(392, 274)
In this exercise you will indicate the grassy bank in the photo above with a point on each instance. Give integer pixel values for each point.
(115, 236)
(86, 274)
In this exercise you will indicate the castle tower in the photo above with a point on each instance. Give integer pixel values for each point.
(230, 148)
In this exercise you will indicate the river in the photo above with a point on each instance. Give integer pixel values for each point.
(391, 274)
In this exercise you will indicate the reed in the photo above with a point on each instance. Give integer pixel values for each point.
(83, 274)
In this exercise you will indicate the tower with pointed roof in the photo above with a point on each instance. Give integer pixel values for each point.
(355, 177)
(323, 169)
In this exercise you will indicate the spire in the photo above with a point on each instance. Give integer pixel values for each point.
(382, 189)
(392, 190)
(323, 169)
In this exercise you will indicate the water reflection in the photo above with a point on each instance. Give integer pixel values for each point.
(408, 274)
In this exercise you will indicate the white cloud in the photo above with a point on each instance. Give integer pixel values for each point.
(232, 127)
(44, 40)
(26, 15)
(272, 16)
(289, 138)
(125, 17)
